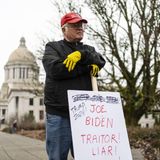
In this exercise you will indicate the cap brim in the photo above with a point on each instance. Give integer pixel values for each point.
(76, 20)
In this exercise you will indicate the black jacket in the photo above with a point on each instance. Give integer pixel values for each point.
(59, 80)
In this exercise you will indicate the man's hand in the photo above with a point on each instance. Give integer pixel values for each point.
(71, 60)
(94, 70)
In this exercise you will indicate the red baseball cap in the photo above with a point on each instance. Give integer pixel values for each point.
(72, 18)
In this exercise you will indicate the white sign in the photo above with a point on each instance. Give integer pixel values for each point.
(98, 126)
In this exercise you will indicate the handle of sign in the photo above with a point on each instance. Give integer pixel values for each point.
(94, 83)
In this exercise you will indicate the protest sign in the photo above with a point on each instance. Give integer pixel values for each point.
(98, 126)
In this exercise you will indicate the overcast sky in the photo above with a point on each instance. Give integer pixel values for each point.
(28, 18)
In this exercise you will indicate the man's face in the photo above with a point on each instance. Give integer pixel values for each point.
(73, 32)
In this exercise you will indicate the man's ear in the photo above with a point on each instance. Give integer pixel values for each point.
(63, 29)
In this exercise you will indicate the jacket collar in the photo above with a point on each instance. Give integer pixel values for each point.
(72, 43)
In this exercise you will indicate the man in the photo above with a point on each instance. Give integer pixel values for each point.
(69, 65)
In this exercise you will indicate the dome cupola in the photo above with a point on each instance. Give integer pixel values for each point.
(21, 54)
(21, 66)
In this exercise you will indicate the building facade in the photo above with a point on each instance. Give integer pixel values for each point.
(21, 92)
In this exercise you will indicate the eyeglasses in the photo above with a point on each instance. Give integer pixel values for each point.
(75, 25)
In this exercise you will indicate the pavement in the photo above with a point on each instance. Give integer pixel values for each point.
(17, 147)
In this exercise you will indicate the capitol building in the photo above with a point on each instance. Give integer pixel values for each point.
(21, 92)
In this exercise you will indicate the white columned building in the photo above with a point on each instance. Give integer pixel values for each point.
(21, 93)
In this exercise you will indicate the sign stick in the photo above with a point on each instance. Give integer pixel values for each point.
(94, 83)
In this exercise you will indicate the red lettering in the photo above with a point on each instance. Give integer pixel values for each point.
(110, 150)
(99, 122)
(102, 122)
(102, 150)
(103, 109)
(93, 108)
(94, 139)
(87, 122)
(99, 139)
(107, 138)
(89, 138)
(113, 138)
(97, 109)
(109, 123)
(93, 153)
(83, 136)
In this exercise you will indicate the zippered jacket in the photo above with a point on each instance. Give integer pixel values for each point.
(59, 80)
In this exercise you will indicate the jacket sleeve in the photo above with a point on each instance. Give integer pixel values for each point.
(90, 56)
(53, 64)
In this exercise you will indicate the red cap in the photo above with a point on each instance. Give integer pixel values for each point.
(72, 18)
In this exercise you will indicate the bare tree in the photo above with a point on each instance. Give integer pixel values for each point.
(130, 39)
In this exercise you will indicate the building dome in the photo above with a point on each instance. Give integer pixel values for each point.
(21, 54)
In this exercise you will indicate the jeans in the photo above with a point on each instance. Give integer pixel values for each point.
(58, 137)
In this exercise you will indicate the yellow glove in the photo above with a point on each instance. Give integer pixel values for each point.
(72, 59)
(94, 70)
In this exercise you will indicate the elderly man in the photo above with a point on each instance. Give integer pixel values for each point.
(68, 64)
